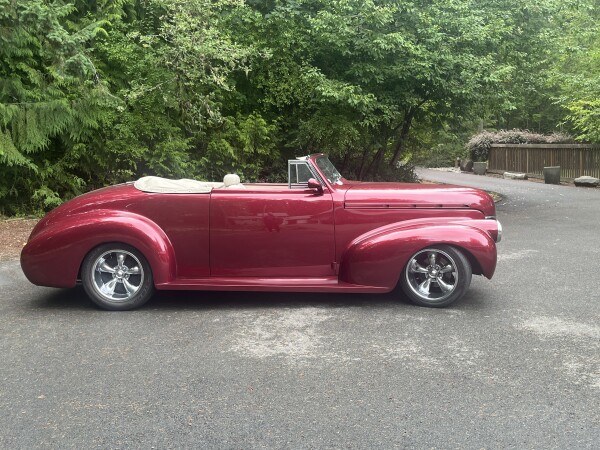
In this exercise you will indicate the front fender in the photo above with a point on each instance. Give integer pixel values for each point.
(378, 257)
(54, 254)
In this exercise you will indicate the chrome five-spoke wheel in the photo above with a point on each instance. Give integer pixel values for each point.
(117, 277)
(436, 276)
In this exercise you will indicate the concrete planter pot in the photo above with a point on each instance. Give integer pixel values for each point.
(479, 168)
(552, 175)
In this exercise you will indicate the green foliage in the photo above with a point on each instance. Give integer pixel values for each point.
(93, 93)
(585, 115)
(576, 71)
(438, 147)
(244, 145)
(377, 70)
(49, 100)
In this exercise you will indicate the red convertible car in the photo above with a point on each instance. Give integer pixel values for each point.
(317, 233)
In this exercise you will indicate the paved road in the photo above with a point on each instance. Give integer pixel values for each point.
(515, 364)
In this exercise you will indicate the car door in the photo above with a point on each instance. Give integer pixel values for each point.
(271, 231)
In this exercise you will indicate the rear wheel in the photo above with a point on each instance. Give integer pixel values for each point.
(436, 276)
(117, 277)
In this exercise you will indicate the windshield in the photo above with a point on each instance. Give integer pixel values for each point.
(328, 169)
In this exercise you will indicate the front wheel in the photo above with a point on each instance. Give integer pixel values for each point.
(436, 276)
(117, 277)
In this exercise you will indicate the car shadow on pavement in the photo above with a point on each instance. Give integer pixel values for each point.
(55, 298)
(259, 300)
(76, 299)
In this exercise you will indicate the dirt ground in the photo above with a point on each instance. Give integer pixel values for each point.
(13, 236)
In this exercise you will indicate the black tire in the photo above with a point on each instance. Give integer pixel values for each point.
(448, 271)
(117, 277)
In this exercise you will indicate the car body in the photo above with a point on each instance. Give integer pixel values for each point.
(317, 233)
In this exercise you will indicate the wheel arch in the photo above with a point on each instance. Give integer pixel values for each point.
(379, 257)
(54, 256)
(475, 264)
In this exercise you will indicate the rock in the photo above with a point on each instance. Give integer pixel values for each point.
(466, 165)
(515, 176)
(586, 181)
(479, 168)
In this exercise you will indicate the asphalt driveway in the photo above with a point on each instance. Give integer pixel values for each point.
(515, 364)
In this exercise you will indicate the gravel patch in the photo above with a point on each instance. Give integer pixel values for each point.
(13, 236)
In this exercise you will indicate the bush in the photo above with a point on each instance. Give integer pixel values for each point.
(479, 145)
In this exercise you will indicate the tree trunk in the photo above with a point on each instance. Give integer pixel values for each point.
(382, 137)
(345, 160)
(376, 161)
(361, 171)
(404, 132)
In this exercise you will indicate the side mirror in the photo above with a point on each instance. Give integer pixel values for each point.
(314, 184)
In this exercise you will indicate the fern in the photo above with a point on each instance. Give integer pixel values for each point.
(48, 100)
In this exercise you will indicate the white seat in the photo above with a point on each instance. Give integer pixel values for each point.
(232, 181)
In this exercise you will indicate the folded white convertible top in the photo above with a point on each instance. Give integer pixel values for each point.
(183, 186)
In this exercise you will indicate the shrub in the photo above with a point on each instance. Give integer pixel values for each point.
(479, 145)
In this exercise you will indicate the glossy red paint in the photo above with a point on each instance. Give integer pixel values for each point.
(53, 256)
(377, 258)
(268, 234)
(352, 237)
(416, 196)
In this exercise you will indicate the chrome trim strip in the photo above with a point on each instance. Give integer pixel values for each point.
(499, 238)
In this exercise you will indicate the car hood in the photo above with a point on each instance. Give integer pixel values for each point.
(411, 195)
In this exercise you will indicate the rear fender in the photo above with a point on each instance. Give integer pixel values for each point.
(54, 254)
(378, 257)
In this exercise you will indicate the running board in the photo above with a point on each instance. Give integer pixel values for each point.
(323, 284)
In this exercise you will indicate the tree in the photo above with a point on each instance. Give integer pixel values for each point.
(577, 67)
(50, 99)
(375, 69)
(102, 92)
(93, 93)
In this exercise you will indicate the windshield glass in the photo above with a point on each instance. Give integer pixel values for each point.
(328, 169)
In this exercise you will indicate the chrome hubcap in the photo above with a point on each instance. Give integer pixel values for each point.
(117, 275)
(432, 275)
